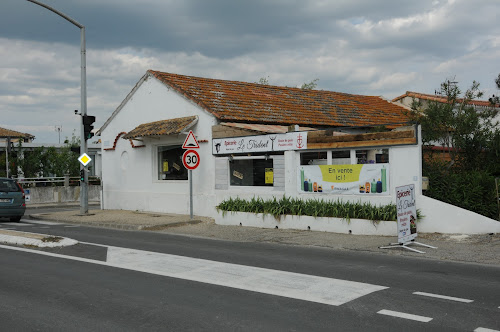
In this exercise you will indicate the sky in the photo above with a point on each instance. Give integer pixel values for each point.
(380, 48)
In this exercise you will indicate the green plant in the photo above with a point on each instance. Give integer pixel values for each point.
(315, 208)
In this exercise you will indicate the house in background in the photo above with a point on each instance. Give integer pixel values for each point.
(255, 141)
(423, 99)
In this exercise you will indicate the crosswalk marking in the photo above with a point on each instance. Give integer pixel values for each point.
(274, 282)
(288, 284)
(404, 315)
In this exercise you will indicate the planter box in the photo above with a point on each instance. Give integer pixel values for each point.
(334, 225)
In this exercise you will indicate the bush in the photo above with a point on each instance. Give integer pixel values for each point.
(473, 190)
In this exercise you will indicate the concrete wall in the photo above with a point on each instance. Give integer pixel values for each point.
(60, 194)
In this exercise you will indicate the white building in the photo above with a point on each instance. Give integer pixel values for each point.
(254, 140)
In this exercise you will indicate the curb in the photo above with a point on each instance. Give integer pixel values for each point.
(128, 227)
(34, 239)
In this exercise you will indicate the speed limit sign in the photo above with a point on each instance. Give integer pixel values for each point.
(191, 159)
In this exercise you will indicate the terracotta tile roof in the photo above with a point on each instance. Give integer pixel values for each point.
(4, 133)
(234, 101)
(441, 99)
(163, 127)
(261, 128)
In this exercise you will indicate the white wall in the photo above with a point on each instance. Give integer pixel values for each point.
(130, 183)
(130, 180)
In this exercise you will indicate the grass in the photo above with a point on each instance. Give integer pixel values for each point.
(314, 208)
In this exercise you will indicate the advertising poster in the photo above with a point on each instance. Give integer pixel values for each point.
(361, 179)
(269, 176)
(407, 213)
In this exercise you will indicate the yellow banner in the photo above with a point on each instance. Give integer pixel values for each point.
(341, 173)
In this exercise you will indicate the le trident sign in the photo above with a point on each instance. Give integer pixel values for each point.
(191, 160)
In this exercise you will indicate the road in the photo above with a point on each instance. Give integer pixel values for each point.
(135, 280)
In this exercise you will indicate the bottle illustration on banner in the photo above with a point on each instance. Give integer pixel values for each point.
(306, 185)
(384, 179)
(320, 188)
(361, 189)
(315, 187)
(310, 185)
(302, 179)
(379, 186)
(373, 186)
(367, 187)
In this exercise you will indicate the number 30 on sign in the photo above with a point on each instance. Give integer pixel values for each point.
(191, 159)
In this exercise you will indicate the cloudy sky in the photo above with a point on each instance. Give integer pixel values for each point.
(368, 47)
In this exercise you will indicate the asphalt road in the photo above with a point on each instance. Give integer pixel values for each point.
(41, 292)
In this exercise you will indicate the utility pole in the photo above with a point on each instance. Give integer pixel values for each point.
(84, 199)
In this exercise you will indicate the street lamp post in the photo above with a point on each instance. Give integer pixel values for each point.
(84, 199)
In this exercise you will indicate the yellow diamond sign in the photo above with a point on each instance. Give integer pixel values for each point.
(84, 159)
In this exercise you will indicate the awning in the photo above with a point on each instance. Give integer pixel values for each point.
(163, 127)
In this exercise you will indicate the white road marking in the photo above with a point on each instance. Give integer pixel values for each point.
(42, 222)
(404, 315)
(444, 297)
(16, 224)
(287, 284)
(72, 226)
(483, 329)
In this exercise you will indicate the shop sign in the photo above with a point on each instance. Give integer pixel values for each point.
(362, 179)
(407, 213)
(261, 143)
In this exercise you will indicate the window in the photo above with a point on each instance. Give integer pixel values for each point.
(170, 165)
(313, 158)
(251, 172)
(372, 156)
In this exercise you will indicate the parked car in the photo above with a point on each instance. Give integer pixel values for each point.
(12, 200)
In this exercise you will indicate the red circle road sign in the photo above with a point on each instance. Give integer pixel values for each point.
(191, 159)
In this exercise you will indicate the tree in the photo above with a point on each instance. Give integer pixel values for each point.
(473, 136)
(495, 100)
(458, 125)
(45, 161)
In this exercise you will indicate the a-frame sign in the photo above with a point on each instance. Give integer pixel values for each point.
(190, 142)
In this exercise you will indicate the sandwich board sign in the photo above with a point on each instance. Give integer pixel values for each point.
(190, 142)
(406, 207)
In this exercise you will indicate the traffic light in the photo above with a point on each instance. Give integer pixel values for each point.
(82, 175)
(88, 120)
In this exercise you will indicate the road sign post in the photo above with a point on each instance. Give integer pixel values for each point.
(191, 160)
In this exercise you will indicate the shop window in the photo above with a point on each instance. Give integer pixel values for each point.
(379, 156)
(251, 172)
(313, 158)
(170, 165)
(341, 157)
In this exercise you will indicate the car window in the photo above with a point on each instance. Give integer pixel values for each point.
(9, 185)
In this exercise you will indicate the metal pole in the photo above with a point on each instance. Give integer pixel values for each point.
(7, 157)
(84, 199)
(191, 194)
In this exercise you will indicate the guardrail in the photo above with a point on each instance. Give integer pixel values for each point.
(56, 181)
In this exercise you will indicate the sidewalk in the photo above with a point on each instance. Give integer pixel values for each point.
(484, 249)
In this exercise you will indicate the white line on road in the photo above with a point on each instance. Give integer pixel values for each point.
(17, 224)
(72, 226)
(404, 315)
(483, 329)
(287, 284)
(444, 297)
(41, 222)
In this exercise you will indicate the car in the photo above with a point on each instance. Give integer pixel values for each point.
(12, 200)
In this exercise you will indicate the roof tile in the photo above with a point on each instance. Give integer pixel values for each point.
(235, 101)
